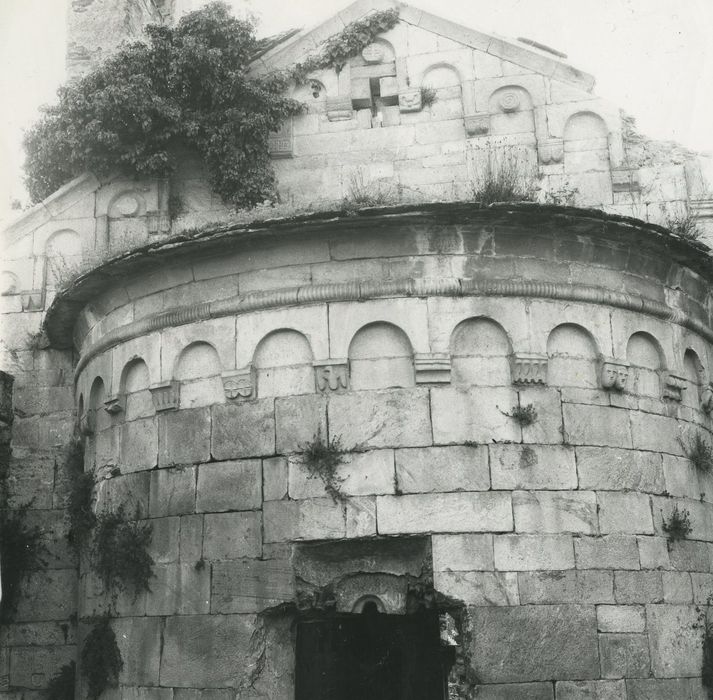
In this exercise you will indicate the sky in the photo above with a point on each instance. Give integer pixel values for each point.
(653, 58)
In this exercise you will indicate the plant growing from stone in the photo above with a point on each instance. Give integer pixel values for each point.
(523, 415)
(700, 452)
(367, 193)
(428, 96)
(81, 496)
(120, 552)
(322, 459)
(101, 660)
(61, 685)
(503, 176)
(678, 526)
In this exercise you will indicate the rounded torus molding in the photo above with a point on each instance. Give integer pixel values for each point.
(506, 401)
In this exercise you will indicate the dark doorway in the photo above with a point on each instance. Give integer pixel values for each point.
(371, 656)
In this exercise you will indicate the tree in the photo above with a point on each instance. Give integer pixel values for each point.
(186, 86)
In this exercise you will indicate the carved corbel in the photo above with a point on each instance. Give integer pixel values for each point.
(673, 387)
(239, 384)
(165, 395)
(550, 151)
(614, 375)
(477, 124)
(706, 397)
(339, 109)
(432, 368)
(331, 376)
(410, 100)
(528, 368)
(115, 404)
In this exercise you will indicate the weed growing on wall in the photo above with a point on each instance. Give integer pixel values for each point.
(81, 496)
(322, 458)
(678, 526)
(523, 415)
(61, 685)
(120, 552)
(100, 660)
(700, 452)
(683, 223)
(428, 96)
(707, 664)
(502, 174)
(364, 192)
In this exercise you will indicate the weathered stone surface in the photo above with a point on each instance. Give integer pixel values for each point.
(447, 512)
(232, 535)
(532, 467)
(702, 585)
(625, 512)
(609, 469)
(33, 667)
(139, 444)
(675, 641)
(243, 430)
(439, 469)
(661, 689)
(201, 651)
(250, 585)
(590, 690)
(510, 645)
(638, 587)
(681, 477)
(191, 538)
(47, 595)
(515, 691)
(184, 437)
(462, 552)
(533, 552)
(621, 618)
(653, 552)
(37, 634)
(315, 519)
(655, 433)
(179, 589)
(686, 555)
(555, 511)
(274, 478)
(581, 587)
(298, 420)
(607, 552)
(139, 641)
(394, 418)
(596, 425)
(229, 486)
(172, 492)
(624, 655)
(679, 589)
(478, 587)
(548, 426)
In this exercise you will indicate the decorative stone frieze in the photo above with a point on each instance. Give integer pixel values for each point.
(674, 386)
(158, 222)
(165, 396)
(410, 100)
(477, 124)
(614, 375)
(331, 376)
(32, 300)
(239, 384)
(115, 404)
(279, 143)
(432, 368)
(550, 151)
(339, 109)
(528, 368)
(625, 180)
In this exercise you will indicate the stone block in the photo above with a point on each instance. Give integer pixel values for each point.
(190, 540)
(226, 486)
(139, 445)
(515, 691)
(702, 588)
(37, 634)
(596, 425)
(172, 492)
(607, 552)
(316, 519)
(478, 587)
(201, 651)
(439, 469)
(298, 420)
(510, 645)
(590, 690)
(660, 689)
(677, 588)
(139, 641)
(698, 516)
(33, 667)
(686, 555)
(243, 430)
(547, 429)
(127, 491)
(624, 655)
(655, 433)
(533, 552)
(232, 535)
(625, 512)
(555, 511)
(179, 589)
(621, 618)
(653, 553)
(393, 418)
(631, 587)
(674, 640)
(446, 512)
(184, 437)
(580, 587)
(474, 415)
(462, 552)
(274, 478)
(532, 467)
(681, 477)
(361, 517)
(165, 537)
(250, 585)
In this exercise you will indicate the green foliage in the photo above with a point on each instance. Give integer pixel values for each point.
(523, 415)
(81, 496)
(683, 223)
(428, 96)
(367, 193)
(61, 685)
(338, 49)
(101, 660)
(120, 552)
(707, 665)
(678, 526)
(503, 176)
(21, 551)
(322, 458)
(187, 86)
(700, 452)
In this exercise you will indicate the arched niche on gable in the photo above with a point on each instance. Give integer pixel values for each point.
(480, 353)
(572, 357)
(63, 257)
(586, 143)
(380, 356)
(446, 82)
(198, 370)
(695, 375)
(283, 364)
(134, 386)
(127, 222)
(511, 111)
(646, 360)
